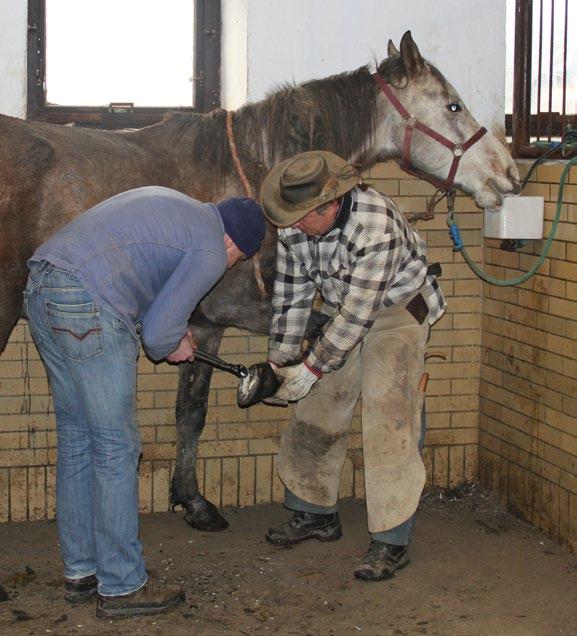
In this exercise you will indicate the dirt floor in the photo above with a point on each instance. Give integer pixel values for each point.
(475, 571)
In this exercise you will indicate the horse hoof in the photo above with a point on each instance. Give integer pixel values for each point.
(206, 518)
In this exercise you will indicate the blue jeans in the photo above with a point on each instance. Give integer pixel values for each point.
(90, 357)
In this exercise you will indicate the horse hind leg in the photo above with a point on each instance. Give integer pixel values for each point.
(191, 408)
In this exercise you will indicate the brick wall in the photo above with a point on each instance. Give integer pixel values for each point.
(236, 464)
(528, 422)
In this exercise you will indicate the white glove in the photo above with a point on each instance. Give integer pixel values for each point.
(298, 381)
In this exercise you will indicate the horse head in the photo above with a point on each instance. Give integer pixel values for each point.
(426, 124)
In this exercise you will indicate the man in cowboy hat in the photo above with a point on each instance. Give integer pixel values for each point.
(353, 245)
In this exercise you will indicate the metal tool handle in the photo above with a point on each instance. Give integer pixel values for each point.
(236, 369)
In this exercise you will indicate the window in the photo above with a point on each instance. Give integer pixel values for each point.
(121, 64)
(542, 63)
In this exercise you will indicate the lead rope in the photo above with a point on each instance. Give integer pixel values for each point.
(249, 193)
(459, 247)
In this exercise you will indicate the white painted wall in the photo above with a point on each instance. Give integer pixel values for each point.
(270, 42)
(295, 40)
(13, 35)
(234, 53)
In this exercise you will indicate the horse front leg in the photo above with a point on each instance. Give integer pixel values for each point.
(191, 408)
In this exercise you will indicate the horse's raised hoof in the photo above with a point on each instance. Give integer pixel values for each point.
(206, 518)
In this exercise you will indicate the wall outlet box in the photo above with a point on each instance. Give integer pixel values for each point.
(517, 218)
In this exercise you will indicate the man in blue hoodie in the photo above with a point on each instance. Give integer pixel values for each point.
(131, 268)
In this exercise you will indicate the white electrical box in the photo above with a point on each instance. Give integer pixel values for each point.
(517, 218)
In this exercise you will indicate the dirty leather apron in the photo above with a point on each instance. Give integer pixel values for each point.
(386, 367)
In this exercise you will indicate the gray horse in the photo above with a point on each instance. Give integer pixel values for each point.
(50, 173)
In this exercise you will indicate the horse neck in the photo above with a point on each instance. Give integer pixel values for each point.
(336, 114)
(343, 114)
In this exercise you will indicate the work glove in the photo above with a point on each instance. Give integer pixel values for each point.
(298, 381)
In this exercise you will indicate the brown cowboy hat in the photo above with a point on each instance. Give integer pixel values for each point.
(303, 183)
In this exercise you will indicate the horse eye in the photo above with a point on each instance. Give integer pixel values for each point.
(454, 107)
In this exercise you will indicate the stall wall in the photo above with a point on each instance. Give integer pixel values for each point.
(13, 33)
(528, 424)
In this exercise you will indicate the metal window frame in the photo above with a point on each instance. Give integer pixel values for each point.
(207, 53)
(522, 122)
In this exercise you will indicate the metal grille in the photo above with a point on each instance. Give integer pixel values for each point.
(545, 72)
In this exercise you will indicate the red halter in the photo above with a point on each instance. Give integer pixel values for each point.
(411, 123)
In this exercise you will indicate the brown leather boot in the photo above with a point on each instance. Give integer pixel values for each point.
(152, 598)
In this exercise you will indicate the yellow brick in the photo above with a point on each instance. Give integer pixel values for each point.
(246, 490)
(233, 345)
(385, 170)
(471, 462)
(465, 387)
(247, 430)
(437, 420)
(145, 486)
(226, 397)
(456, 466)
(441, 467)
(4, 495)
(158, 451)
(24, 457)
(213, 480)
(226, 414)
(9, 441)
(229, 481)
(262, 446)
(359, 479)
(158, 382)
(51, 492)
(36, 494)
(347, 476)
(160, 486)
(549, 172)
(572, 253)
(258, 344)
(263, 493)
(221, 448)
(166, 434)
(162, 399)
(454, 403)
(18, 494)
(451, 437)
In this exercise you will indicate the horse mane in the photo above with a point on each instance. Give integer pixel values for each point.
(336, 113)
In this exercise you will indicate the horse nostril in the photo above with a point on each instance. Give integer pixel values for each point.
(514, 179)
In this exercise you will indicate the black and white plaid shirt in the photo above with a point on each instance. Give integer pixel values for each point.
(370, 259)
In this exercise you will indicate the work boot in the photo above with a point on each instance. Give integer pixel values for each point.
(152, 598)
(382, 561)
(80, 590)
(306, 525)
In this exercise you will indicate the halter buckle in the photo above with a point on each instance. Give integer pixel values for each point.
(458, 150)
(411, 121)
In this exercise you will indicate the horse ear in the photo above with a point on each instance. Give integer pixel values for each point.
(412, 59)
(392, 50)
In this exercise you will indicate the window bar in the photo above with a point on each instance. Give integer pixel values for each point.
(550, 127)
(540, 71)
(564, 105)
(522, 74)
